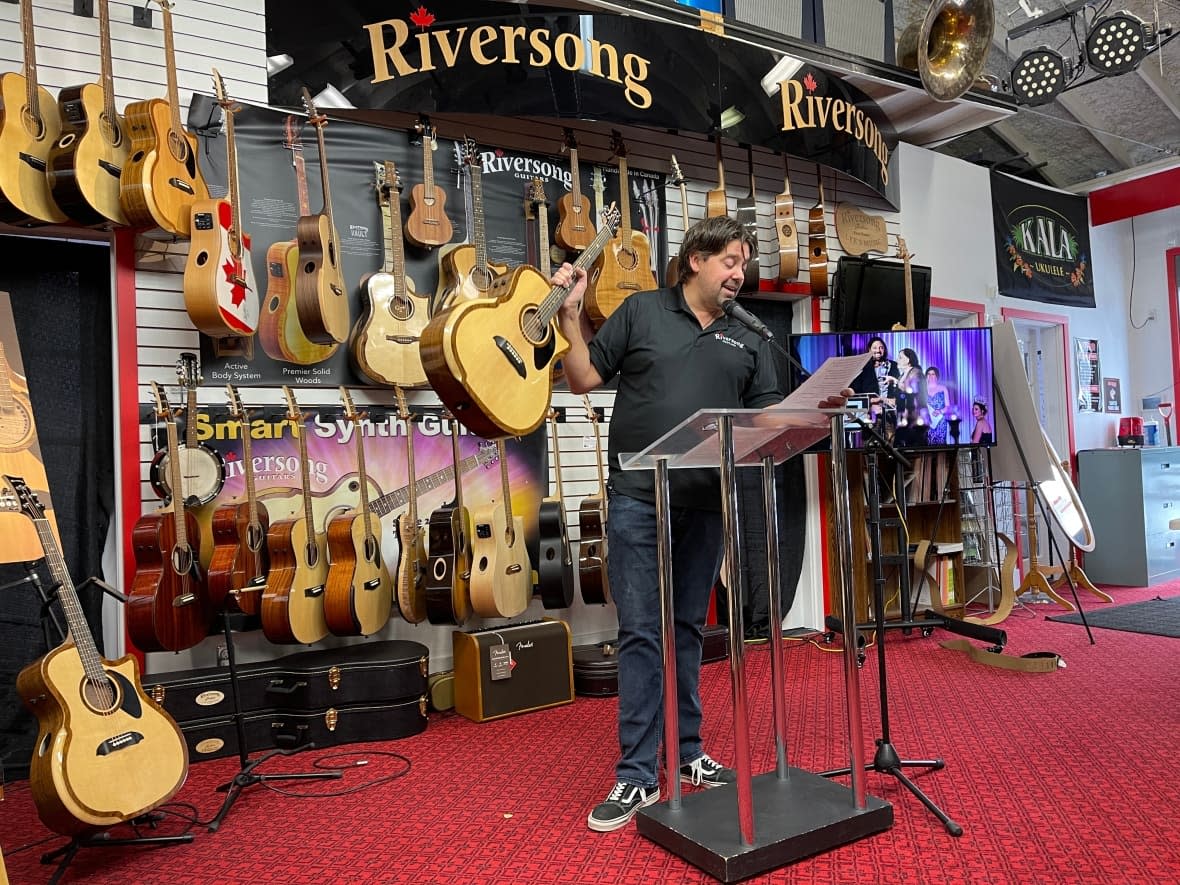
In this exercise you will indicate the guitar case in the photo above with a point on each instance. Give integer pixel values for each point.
(596, 667)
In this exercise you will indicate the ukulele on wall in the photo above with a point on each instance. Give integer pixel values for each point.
(220, 294)
(279, 331)
(161, 180)
(575, 226)
(202, 468)
(239, 564)
(905, 255)
(501, 574)
(107, 752)
(385, 344)
(88, 158)
(677, 179)
(427, 225)
(30, 126)
(592, 574)
(321, 297)
(359, 593)
(788, 234)
(410, 577)
(555, 565)
(624, 267)
(817, 245)
(168, 608)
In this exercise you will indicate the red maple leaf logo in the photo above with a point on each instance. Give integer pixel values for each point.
(809, 83)
(422, 17)
(499, 152)
(233, 276)
(231, 456)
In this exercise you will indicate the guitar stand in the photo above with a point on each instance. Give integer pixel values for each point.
(68, 851)
(886, 759)
(247, 776)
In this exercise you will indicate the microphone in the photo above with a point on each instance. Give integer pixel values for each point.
(747, 319)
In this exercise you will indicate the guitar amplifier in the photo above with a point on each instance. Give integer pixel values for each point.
(502, 671)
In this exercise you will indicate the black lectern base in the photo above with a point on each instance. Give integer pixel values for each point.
(793, 818)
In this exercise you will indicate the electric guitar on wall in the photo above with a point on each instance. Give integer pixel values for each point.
(358, 597)
(321, 296)
(672, 274)
(501, 574)
(491, 360)
(385, 343)
(293, 601)
(411, 558)
(161, 179)
(448, 573)
(30, 125)
(555, 564)
(168, 608)
(788, 234)
(220, 294)
(279, 331)
(239, 565)
(592, 529)
(624, 265)
(575, 227)
(88, 158)
(427, 225)
(466, 272)
(106, 752)
(202, 468)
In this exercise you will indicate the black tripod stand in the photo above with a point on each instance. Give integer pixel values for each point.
(886, 760)
(247, 776)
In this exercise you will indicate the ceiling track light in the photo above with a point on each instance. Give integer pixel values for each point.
(1039, 76)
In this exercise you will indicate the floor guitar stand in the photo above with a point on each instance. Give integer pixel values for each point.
(247, 775)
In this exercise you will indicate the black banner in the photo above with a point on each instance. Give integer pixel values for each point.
(270, 206)
(1042, 243)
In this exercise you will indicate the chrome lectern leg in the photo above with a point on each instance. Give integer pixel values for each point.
(777, 673)
(668, 631)
(737, 629)
(843, 535)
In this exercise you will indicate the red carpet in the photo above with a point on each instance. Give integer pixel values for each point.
(1065, 777)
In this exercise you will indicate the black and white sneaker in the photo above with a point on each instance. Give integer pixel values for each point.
(620, 806)
(706, 772)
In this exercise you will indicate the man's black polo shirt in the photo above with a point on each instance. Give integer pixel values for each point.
(668, 368)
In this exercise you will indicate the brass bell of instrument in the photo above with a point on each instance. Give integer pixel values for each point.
(949, 46)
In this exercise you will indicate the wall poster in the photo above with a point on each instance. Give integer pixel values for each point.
(1089, 375)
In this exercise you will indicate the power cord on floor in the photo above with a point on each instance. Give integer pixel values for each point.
(322, 763)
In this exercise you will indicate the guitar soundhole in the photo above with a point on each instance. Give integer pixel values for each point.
(483, 563)
(817, 253)
(534, 332)
(255, 537)
(440, 569)
(481, 278)
(34, 125)
(45, 743)
(372, 551)
(202, 258)
(550, 554)
(788, 232)
(178, 147)
(628, 258)
(66, 140)
(273, 304)
(182, 560)
(137, 157)
(311, 554)
(401, 308)
(112, 132)
(309, 267)
(101, 697)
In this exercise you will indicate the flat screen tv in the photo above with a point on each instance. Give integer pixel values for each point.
(870, 294)
(931, 388)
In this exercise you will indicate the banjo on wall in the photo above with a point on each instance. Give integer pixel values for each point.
(202, 470)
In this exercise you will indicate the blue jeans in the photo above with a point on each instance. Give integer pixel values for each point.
(633, 570)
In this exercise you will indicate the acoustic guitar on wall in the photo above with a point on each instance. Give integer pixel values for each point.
(410, 573)
(592, 574)
(672, 274)
(88, 159)
(106, 752)
(715, 200)
(427, 225)
(448, 573)
(555, 564)
(466, 272)
(161, 180)
(817, 245)
(30, 126)
(501, 574)
(788, 233)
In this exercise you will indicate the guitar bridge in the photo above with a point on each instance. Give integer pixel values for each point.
(511, 354)
(36, 162)
(118, 742)
(184, 599)
(313, 592)
(182, 185)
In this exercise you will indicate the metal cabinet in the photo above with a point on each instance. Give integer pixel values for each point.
(1132, 497)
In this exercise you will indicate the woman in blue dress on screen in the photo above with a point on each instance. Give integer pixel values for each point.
(937, 397)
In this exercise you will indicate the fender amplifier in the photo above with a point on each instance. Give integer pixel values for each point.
(501, 671)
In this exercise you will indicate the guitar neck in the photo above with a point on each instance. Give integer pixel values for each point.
(684, 205)
(909, 293)
(305, 479)
(248, 470)
(543, 236)
(190, 415)
(296, 146)
(395, 250)
(177, 482)
(411, 473)
(624, 204)
(481, 248)
(32, 97)
(363, 474)
(575, 177)
(506, 491)
(599, 192)
(455, 462)
(556, 456)
(106, 69)
(552, 302)
(324, 185)
(395, 500)
(7, 400)
(170, 66)
(235, 202)
(428, 161)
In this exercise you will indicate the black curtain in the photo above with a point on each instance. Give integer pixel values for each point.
(61, 303)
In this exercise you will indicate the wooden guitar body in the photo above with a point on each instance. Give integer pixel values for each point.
(97, 764)
(161, 179)
(622, 269)
(412, 563)
(88, 159)
(320, 294)
(788, 237)
(25, 144)
(427, 224)
(220, 294)
(448, 573)
(555, 573)
(240, 561)
(168, 608)
(358, 597)
(293, 601)
(575, 226)
(279, 331)
(385, 343)
(592, 553)
(501, 575)
(490, 368)
(462, 278)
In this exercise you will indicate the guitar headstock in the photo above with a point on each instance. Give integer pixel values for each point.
(902, 252)
(677, 176)
(403, 408)
(470, 152)
(313, 115)
(165, 6)
(426, 129)
(350, 410)
(222, 94)
(291, 139)
(488, 454)
(293, 413)
(618, 147)
(236, 410)
(611, 218)
(591, 413)
(188, 371)
(537, 193)
(16, 496)
(163, 410)
(569, 141)
(596, 179)
(388, 181)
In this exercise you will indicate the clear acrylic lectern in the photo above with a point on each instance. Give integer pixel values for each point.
(798, 813)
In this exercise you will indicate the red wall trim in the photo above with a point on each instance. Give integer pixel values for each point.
(1172, 256)
(965, 306)
(1067, 342)
(1138, 197)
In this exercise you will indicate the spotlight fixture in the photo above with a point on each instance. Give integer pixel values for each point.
(731, 116)
(331, 97)
(786, 68)
(1117, 43)
(1039, 76)
(277, 63)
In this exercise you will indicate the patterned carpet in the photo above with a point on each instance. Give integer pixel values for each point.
(1158, 617)
(1064, 777)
